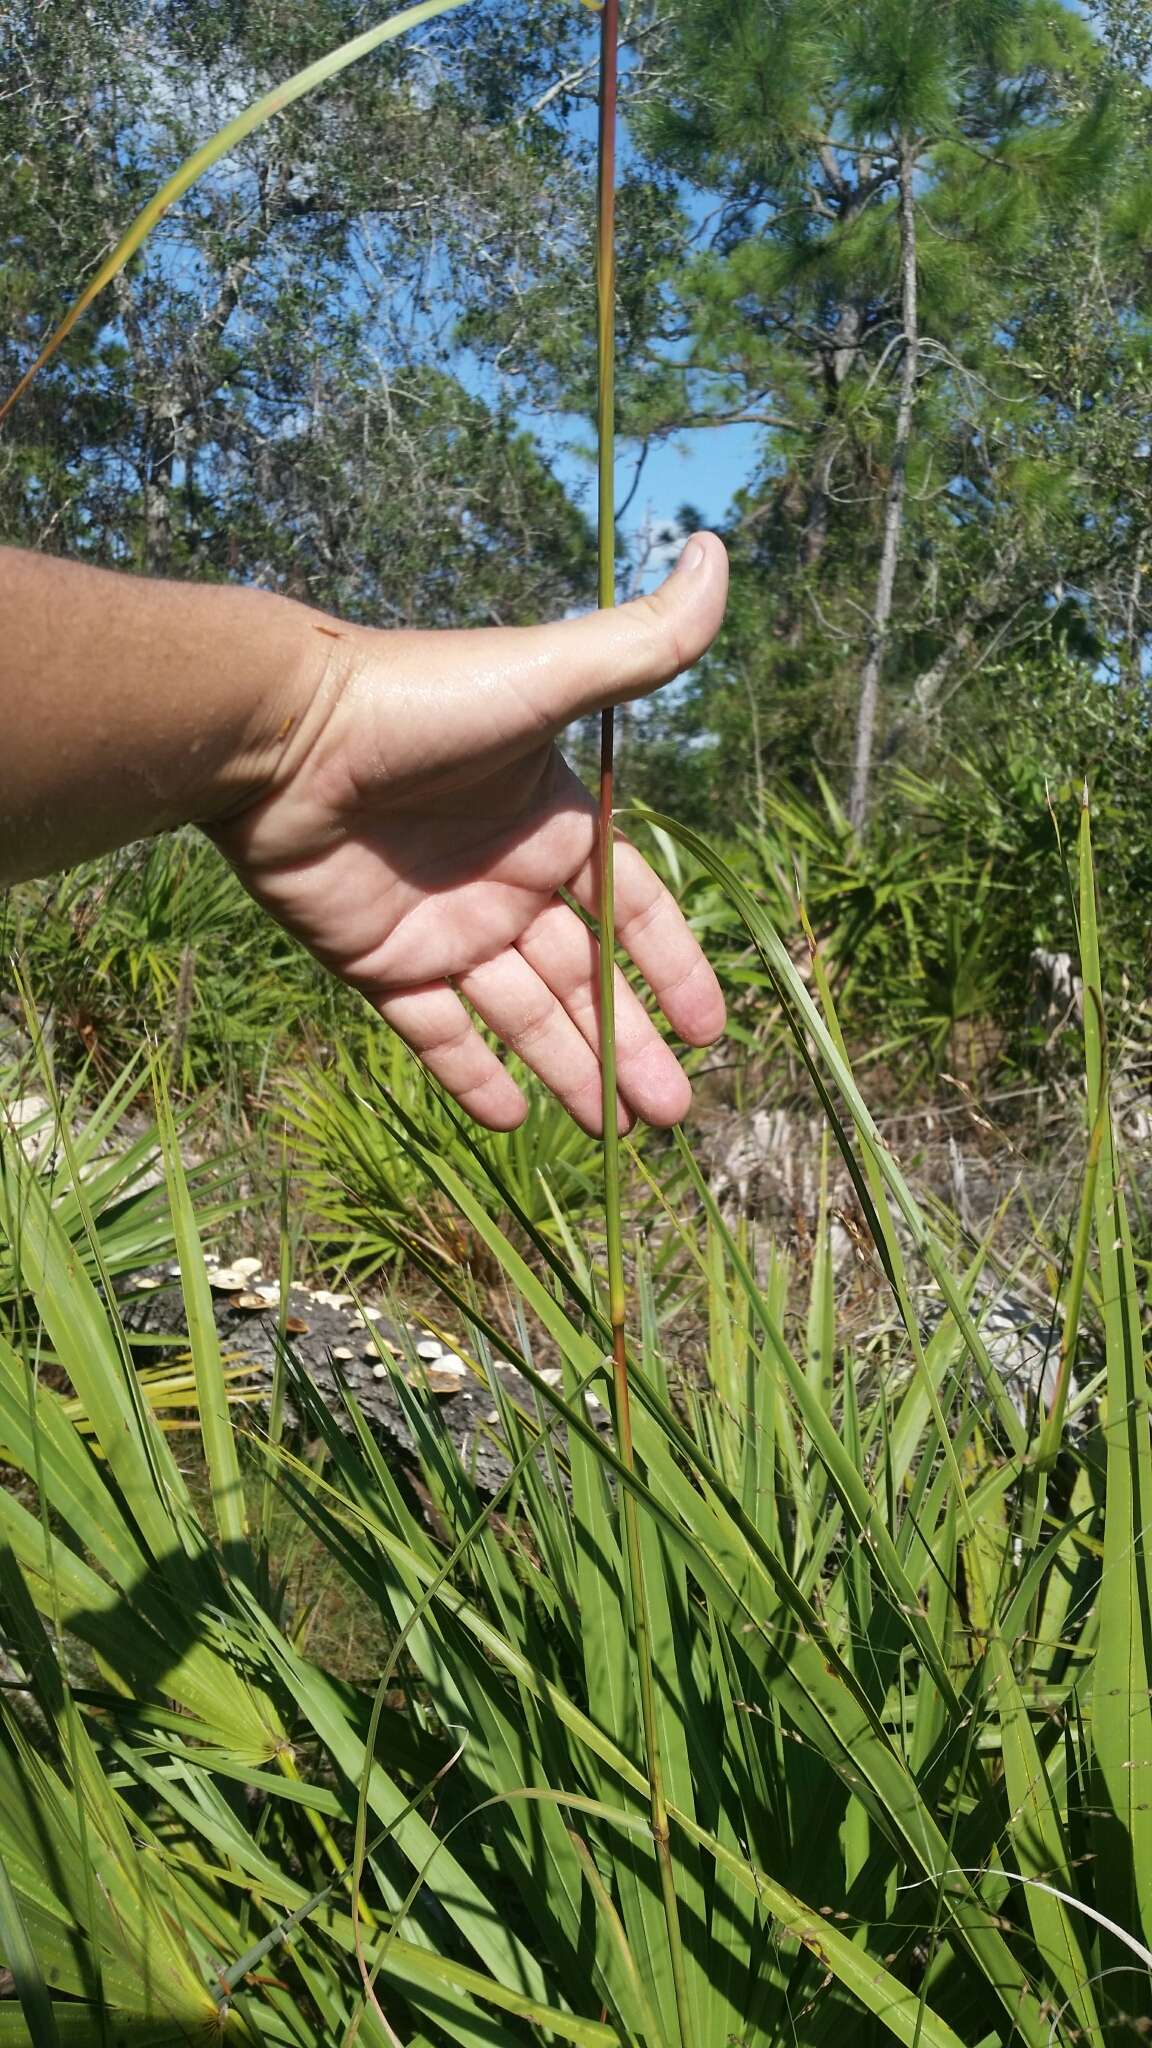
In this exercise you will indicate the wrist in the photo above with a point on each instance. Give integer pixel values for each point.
(286, 696)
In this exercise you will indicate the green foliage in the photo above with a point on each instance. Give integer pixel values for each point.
(325, 369)
(105, 1189)
(369, 1195)
(1024, 526)
(903, 1709)
(898, 1633)
(927, 927)
(913, 933)
(924, 930)
(161, 945)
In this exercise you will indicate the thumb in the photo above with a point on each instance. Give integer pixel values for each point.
(607, 657)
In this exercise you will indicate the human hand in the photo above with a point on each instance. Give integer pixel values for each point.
(420, 829)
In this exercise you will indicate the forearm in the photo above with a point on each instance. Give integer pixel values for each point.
(128, 706)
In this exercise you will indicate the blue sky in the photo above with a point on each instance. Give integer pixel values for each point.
(704, 467)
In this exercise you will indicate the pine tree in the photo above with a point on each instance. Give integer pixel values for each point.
(886, 182)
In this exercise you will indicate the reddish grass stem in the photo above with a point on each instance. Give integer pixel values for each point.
(617, 1301)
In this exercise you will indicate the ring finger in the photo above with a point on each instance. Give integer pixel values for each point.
(523, 1011)
(566, 955)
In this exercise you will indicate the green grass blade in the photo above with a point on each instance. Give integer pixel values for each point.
(213, 1409)
(807, 1023)
(20, 1956)
(1038, 1844)
(89, 1347)
(901, 2009)
(1122, 1702)
(209, 153)
(849, 1482)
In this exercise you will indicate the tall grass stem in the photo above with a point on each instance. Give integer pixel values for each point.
(617, 1302)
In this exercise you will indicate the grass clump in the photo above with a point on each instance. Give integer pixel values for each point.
(898, 1641)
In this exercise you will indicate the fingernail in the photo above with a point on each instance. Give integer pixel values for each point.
(693, 557)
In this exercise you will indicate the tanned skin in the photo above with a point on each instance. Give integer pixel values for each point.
(394, 799)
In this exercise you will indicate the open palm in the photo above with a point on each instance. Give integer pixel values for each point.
(424, 833)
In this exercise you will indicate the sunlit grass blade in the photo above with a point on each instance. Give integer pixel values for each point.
(806, 1022)
(1121, 1696)
(212, 1399)
(1039, 1847)
(850, 1483)
(319, 1701)
(903, 2012)
(899, 2007)
(91, 1350)
(68, 1824)
(209, 153)
(28, 1976)
(143, 1610)
(755, 1598)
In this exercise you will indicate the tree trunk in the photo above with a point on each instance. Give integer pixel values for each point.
(158, 470)
(837, 358)
(984, 609)
(879, 631)
(1132, 611)
(839, 363)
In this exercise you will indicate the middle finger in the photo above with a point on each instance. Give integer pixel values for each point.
(566, 955)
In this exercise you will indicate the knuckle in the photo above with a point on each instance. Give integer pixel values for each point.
(642, 920)
(661, 629)
(444, 1044)
(530, 1029)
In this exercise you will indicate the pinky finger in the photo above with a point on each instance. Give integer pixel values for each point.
(435, 1024)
